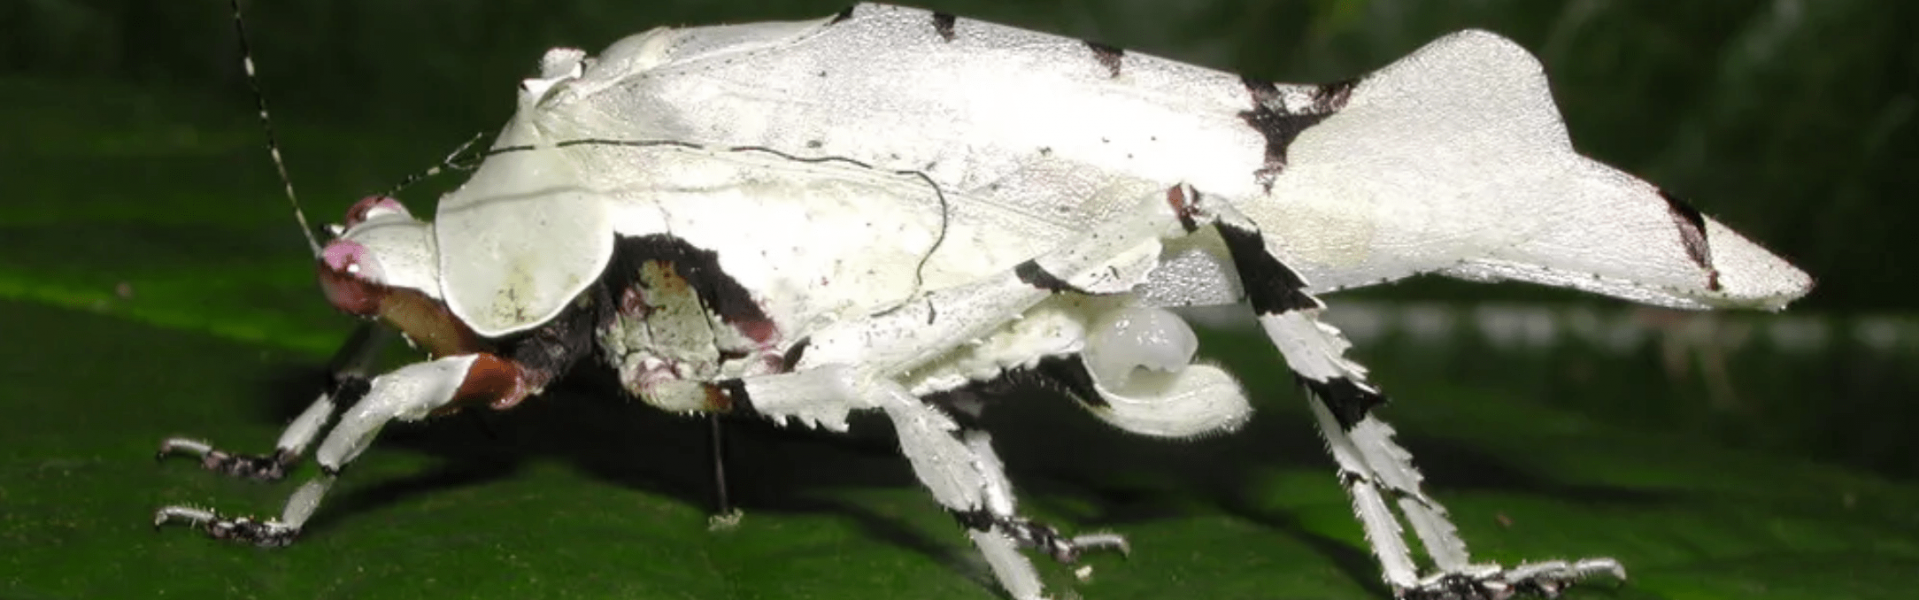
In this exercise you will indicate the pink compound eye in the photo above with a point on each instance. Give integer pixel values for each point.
(372, 207)
(351, 278)
(349, 258)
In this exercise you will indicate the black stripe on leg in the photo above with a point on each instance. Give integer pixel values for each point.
(1271, 286)
(349, 388)
(272, 467)
(976, 519)
(1025, 532)
(1348, 401)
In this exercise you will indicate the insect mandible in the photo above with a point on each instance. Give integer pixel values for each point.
(801, 220)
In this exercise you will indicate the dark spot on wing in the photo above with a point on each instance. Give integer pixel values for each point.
(1034, 275)
(1348, 401)
(844, 14)
(1280, 125)
(1107, 56)
(1692, 235)
(943, 24)
(1331, 97)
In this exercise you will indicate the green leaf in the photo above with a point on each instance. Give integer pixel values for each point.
(581, 495)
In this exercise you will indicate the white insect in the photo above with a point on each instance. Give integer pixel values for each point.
(801, 220)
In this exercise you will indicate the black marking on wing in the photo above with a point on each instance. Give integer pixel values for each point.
(1280, 125)
(943, 24)
(1108, 56)
(844, 14)
(1692, 234)
(1271, 286)
(1036, 276)
(1348, 401)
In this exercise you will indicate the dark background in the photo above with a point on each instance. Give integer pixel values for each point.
(151, 283)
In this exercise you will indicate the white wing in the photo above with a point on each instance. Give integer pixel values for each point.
(1453, 160)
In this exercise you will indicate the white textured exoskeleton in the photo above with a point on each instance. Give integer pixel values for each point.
(801, 220)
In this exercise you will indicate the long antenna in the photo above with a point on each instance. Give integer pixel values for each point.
(266, 123)
(451, 162)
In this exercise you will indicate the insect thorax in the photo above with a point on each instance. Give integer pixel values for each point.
(675, 320)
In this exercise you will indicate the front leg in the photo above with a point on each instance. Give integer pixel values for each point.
(347, 383)
(1372, 467)
(410, 393)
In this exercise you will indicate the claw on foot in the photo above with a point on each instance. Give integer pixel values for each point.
(1032, 534)
(257, 467)
(267, 534)
(1541, 580)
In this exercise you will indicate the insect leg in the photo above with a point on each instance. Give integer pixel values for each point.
(956, 465)
(347, 382)
(853, 365)
(1000, 516)
(725, 514)
(410, 393)
(1372, 466)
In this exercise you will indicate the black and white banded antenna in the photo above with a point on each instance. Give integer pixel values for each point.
(454, 161)
(266, 124)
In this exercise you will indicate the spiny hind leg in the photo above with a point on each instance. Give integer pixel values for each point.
(1372, 467)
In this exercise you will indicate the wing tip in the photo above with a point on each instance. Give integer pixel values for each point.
(1750, 276)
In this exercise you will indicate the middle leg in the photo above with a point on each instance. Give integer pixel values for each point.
(858, 364)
